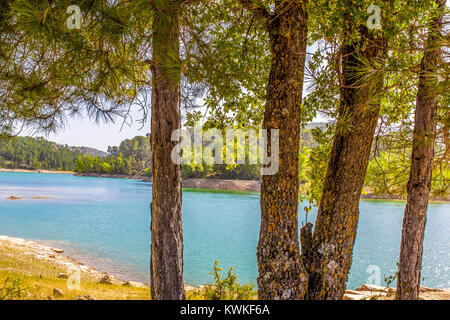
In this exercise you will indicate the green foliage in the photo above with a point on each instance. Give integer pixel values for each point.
(227, 288)
(403, 24)
(51, 73)
(388, 174)
(221, 171)
(36, 153)
(132, 157)
(314, 166)
(440, 181)
(12, 289)
(244, 171)
(229, 54)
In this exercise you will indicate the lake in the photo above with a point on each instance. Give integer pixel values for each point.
(106, 223)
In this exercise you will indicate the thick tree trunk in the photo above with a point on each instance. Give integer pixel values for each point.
(414, 220)
(281, 272)
(166, 218)
(338, 213)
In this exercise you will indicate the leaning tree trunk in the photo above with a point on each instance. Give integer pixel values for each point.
(414, 220)
(281, 272)
(166, 218)
(338, 213)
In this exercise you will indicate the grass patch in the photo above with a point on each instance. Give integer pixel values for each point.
(23, 277)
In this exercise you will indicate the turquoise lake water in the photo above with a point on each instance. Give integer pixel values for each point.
(106, 223)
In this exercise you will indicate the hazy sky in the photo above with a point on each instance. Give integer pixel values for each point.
(82, 132)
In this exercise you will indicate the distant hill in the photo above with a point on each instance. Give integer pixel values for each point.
(41, 154)
(90, 151)
(132, 157)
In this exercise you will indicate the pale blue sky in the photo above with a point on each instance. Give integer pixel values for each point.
(82, 132)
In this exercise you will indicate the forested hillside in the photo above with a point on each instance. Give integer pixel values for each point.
(132, 157)
(36, 154)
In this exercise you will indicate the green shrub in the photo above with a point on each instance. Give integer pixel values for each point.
(12, 290)
(225, 288)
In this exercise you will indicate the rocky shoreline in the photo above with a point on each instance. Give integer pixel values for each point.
(373, 292)
(56, 256)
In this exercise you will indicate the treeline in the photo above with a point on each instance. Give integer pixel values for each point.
(387, 173)
(35, 154)
(132, 157)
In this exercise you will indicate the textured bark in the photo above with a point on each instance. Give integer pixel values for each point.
(338, 213)
(281, 272)
(166, 218)
(414, 220)
(306, 244)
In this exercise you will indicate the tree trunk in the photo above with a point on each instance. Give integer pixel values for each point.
(338, 213)
(414, 220)
(166, 218)
(281, 272)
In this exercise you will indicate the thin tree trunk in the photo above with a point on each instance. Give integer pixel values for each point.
(166, 218)
(281, 272)
(338, 213)
(414, 220)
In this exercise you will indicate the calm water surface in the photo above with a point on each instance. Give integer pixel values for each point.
(106, 223)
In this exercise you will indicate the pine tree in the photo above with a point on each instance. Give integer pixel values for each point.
(419, 185)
